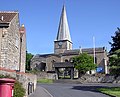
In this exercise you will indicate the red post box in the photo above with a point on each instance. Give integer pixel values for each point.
(6, 87)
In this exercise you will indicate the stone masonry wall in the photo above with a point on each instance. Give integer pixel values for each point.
(23, 51)
(13, 44)
(0, 43)
(101, 58)
(23, 78)
(44, 75)
(10, 45)
(23, 54)
(99, 79)
(49, 62)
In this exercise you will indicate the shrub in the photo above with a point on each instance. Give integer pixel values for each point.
(6, 76)
(115, 71)
(19, 91)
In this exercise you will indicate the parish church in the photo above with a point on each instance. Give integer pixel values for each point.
(63, 52)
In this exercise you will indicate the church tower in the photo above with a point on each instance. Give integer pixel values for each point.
(63, 41)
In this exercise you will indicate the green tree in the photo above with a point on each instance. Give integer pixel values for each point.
(114, 57)
(28, 59)
(115, 45)
(84, 63)
(114, 60)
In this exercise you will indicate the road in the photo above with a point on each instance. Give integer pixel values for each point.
(73, 90)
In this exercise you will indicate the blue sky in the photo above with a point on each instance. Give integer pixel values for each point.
(86, 18)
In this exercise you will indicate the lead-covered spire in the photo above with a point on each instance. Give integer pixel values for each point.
(63, 31)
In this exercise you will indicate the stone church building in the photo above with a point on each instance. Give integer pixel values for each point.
(12, 42)
(63, 51)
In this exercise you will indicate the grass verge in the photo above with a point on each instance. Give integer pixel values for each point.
(114, 91)
(48, 81)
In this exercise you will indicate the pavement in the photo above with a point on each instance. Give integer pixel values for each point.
(40, 92)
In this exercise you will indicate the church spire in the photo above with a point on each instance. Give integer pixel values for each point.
(63, 31)
(63, 41)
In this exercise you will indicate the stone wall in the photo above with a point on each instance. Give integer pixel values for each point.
(13, 44)
(99, 79)
(101, 60)
(10, 46)
(49, 62)
(42, 75)
(23, 78)
(23, 48)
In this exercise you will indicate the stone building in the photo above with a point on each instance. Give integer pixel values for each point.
(63, 51)
(12, 42)
(13, 50)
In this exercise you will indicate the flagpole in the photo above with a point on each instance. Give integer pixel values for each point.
(94, 48)
(80, 50)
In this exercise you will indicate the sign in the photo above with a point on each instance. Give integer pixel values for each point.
(99, 69)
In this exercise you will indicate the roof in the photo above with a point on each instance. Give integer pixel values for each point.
(63, 64)
(73, 52)
(85, 50)
(97, 50)
(63, 30)
(7, 16)
(45, 55)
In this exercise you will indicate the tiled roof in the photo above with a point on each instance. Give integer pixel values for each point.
(73, 52)
(45, 55)
(7, 16)
(97, 50)
(63, 64)
(85, 50)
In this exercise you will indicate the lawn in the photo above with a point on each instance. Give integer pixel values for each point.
(45, 81)
(114, 91)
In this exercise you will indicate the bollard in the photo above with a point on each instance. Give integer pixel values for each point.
(30, 88)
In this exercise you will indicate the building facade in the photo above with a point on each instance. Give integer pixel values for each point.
(63, 51)
(12, 49)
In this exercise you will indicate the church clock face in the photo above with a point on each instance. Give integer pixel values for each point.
(60, 43)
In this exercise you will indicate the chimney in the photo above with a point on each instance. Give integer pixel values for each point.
(22, 29)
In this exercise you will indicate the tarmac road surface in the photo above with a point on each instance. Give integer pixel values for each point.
(69, 90)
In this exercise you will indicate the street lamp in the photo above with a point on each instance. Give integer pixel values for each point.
(22, 31)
